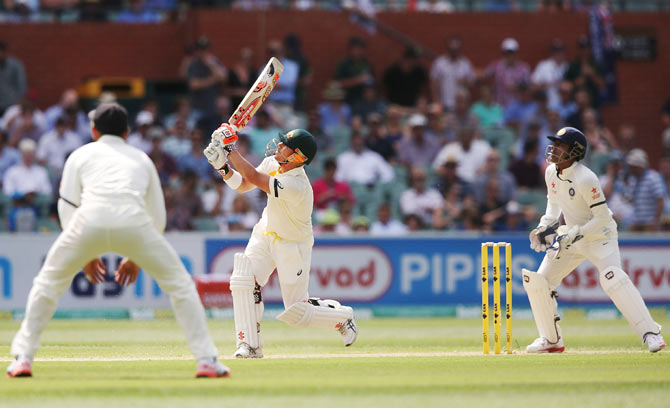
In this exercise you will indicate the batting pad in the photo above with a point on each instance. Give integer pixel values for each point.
(242, 284)
(627, 298)
(543, 305)
(303, 314)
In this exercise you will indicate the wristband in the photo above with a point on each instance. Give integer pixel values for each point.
(234, 181)
(229, 148)
(224, 170)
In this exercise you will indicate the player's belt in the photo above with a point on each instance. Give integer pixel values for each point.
(274, 236)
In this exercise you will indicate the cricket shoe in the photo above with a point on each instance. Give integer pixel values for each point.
(542, 345)
(246, 351)
(349, 331)
(212, 368)
(655, 342)
(20, 367)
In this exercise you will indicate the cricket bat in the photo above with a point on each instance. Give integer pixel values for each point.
(258, 93)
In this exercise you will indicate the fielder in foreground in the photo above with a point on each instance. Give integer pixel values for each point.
(282, 239)
(590, 233)
(111, 201)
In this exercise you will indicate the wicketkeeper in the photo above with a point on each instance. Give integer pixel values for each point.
(590, 233)
(282, 239)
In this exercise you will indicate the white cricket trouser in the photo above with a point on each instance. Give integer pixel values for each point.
(82, 242)
(602, 253)
(268, 251)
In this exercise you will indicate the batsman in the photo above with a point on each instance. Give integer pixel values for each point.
(282, 238)
(590, 233)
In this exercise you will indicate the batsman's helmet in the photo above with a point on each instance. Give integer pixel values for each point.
(571, 137)
(301, 141)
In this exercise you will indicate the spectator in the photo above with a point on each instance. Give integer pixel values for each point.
(177, 143)
(613, 183)
(244, 148)
(328, 192)
(377, 140)
(626, 138)
(393, 124)
(184, 204)
(361, 224)
(205, 74)
(241, 216)
(355, 71)
(13, 84)
(54, 147)
(449, 215)
(262, 132)
(521, 108)
(527, 173)
(241, 76)
(165, 163)
(508, 72)
(333, 112)
(418, 200)
(23, 215)
(23, 121)
(470, 152)
(548, 73)
(212, 120)
(492, 207)
(488, 112)
(461, 116)
(664, 171)
(361, 165)
(182, 118)
(75, 119)
(585, 72)
(9, 156)
(26, 177)
(492, 171)
(600, 141)
(330, 223)
(536, 132)
(406, 80)
(420, 148)
(140, 138)
(138, 12)
(435, 6)
(195, 161)
(385, 225)
(566, 104)
(216, 202)
(438, 127)
(293, 48)
(646, 190)
(283, 95)
(582, 103)
(369, 104)
(514, 218)
(447, 176)
(413, 223)
(450, 72)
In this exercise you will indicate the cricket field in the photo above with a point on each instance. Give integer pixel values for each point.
(419, 362)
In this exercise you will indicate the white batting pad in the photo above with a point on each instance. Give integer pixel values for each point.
(303, 314)
(627, 298)
(543, 305)
(242, 284)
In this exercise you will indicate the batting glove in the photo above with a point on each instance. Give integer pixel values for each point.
(226, 134)
(216, 155)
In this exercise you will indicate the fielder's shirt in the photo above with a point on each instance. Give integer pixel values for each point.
(289, 210)
(577, 194)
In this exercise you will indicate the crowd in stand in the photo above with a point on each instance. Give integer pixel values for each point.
(415, 146)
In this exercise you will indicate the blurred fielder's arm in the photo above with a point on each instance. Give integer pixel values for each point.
(154, 199)
(70, 190)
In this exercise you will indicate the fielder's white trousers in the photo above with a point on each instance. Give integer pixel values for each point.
(81, 242)
(268, 251)
(602, 253)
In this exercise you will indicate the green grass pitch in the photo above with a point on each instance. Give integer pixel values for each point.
(434, 362)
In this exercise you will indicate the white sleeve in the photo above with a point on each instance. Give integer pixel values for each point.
(340, 172)
(407, 203)
(553, 209)
(154, 198)
(41, 153)
(70, 190)
(593, 195)
(7, 182)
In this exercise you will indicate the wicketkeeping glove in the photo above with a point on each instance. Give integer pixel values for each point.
(226, 134)
(215, 154)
